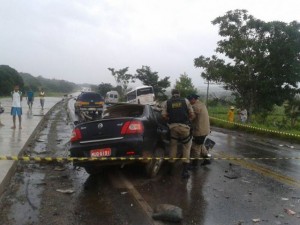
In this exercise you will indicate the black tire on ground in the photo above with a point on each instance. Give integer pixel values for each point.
(153, 166)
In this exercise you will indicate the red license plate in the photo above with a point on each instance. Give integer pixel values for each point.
(100, 152)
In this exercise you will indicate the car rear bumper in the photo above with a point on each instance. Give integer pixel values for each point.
(122, 152)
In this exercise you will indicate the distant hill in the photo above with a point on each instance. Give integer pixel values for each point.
(49, 85)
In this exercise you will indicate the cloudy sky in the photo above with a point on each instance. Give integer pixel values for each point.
(77, 40)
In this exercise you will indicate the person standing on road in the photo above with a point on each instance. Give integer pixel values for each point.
(231, 114)
(200, 129)
(178, 112)
(243, 115)
(30, 98)
(42, 98)
(16, 109)
(1, 111)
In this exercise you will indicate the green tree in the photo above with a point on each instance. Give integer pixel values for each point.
(185, 85)
(292, 110)
(123, 79)
(150, 78)
(9, 77)
(103, 88)
(264, 65)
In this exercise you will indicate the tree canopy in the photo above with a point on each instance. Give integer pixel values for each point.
(145, 75)
(122, 78)
(103, 88)
(185, 85)
(150, 78)
(263, 68)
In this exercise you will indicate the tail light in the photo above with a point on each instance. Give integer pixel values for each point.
(76, 135)
(132, 127)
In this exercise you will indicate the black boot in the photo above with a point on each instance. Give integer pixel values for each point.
(185, 172)
(206, 161)
(193, 165)
(170, 168)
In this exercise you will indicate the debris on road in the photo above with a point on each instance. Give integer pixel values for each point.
(231, 173)
(167, 212)
(290, 212)
(65, 191)
(59, 168)
(256, 220)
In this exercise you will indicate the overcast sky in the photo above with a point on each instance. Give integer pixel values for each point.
(77, 40)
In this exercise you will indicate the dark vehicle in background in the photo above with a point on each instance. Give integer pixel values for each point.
(90, 103)
(125, 130)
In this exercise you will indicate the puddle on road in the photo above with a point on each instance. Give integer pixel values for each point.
(28, 199)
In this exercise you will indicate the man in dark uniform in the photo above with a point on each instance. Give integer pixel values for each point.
(178, 112)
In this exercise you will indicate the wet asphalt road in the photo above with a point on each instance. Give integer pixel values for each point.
(227, 192)
(232, 192)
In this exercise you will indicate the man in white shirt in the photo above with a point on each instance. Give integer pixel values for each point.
(16, 109)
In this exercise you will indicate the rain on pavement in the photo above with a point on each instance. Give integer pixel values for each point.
(225, 192)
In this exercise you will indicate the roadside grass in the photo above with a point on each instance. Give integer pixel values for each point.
(275, 124)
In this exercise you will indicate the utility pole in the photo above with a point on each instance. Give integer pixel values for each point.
(207, 91)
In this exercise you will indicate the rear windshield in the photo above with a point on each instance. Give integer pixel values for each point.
(124, 111)
(90, 96)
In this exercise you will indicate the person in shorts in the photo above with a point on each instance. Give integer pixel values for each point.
(16, 109)
(30, 98)
(1, 111)
(42, 98)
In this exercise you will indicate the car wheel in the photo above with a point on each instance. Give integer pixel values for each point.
(92, 170)
(153, 166)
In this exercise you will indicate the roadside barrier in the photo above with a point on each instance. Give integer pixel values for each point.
(83, 159)
(257, 128)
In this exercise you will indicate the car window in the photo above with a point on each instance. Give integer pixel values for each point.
(90, 96)
(124, 111)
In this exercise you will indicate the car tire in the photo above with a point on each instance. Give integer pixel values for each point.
(92, 170)
(153, 166)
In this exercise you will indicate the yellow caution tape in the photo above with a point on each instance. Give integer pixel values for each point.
(257, 128)
(82, 159)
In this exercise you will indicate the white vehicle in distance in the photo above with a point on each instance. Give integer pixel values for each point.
(141, 95)
(112, 97)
